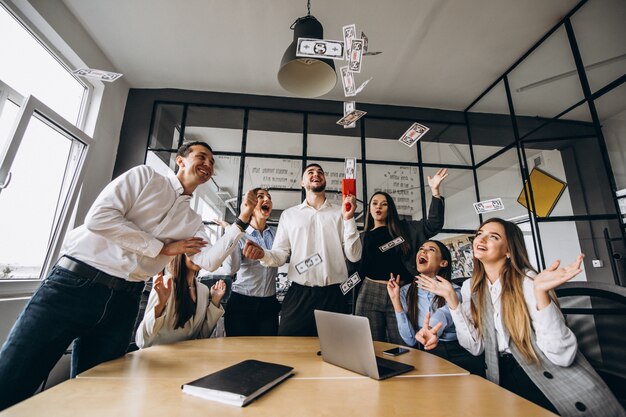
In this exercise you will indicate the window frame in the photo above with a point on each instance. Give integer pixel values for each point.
(32, 107)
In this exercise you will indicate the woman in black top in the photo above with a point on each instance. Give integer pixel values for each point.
(381, 258)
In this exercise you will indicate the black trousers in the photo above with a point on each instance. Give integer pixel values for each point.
(514, 379)
(297, 317)
(251, 316)
(455, 353)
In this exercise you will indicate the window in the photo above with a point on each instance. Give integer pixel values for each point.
(42, 154)
(40, 171)
(31, 69)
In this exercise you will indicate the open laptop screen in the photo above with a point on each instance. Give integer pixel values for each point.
(346, 341)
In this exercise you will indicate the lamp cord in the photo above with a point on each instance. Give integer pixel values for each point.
(308, 16)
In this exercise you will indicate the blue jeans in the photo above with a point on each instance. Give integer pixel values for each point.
(66, 307)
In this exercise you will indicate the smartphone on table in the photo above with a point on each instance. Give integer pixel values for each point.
(395, 351)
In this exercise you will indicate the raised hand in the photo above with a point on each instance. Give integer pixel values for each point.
(393, 288)
(435, 181)
(427, 336)
(189, 246)
(217, 292)
(248, 203)
(440, 287)
(552, 277)
(252, 251)
(163, 293)
(348, 214)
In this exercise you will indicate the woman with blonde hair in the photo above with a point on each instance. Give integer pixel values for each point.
(510, 313)
(179, 306)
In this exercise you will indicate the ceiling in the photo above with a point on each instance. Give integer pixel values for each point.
(436, 53)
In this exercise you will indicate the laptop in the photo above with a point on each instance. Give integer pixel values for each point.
(346, 341)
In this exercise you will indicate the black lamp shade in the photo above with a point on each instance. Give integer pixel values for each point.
(306, 77)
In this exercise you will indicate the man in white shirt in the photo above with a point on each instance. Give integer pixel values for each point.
(136, 225)
(315, 227)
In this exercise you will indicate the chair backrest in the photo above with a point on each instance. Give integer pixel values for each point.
(596, 313)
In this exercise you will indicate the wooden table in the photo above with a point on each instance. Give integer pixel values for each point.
(147, 382)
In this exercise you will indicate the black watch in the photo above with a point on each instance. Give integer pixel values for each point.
(242, 225)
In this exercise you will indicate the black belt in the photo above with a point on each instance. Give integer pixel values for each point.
(99, 277)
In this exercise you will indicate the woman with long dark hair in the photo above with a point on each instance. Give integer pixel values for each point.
(389, 247)
(510, 313)
(423, 316)
(180, 307)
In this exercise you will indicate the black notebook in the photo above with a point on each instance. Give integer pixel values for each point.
(239, 384)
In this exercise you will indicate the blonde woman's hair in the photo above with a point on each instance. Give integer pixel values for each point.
(515, 315)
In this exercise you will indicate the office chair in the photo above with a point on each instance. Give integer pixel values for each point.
(459, 281)
(596, 313)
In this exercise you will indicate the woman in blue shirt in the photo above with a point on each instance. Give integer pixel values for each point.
(429, 313)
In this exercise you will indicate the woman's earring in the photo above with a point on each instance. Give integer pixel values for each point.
(508, 256)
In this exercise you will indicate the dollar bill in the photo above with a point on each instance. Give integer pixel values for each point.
(356, 55)
(365, 41)
(308, 263)
(395, 242)
(351, 117)
(488, 205)
(348, 106)
(349, 33)
(350, 283)
(97, 74)
(347, 79)
(320, 48)
(350, 168)
(366, 51)
(413, 134)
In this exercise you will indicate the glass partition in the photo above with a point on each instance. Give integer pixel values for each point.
(546, 82)
(449, 146)
(611, 109)
(166, 124)
(402, 183)
(501, 178)
(490, 124)
(273, 132)
(221, 128)
(459, 192)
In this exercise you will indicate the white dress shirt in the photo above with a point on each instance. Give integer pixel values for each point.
(304, 231)
(160, 331)
(554, 338)
(131, 220)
